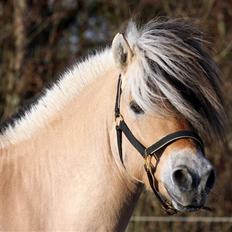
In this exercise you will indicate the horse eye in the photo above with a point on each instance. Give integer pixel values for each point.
(135, 107)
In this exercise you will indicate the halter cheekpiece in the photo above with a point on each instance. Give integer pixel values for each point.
(148, 152)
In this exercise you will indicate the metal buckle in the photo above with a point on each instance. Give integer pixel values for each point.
(147, 161)
(118, 119)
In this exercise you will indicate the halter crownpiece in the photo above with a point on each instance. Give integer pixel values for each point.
(148, 152)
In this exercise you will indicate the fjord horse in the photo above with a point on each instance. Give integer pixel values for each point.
(74, 160)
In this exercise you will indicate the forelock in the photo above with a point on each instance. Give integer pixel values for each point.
(172, 68)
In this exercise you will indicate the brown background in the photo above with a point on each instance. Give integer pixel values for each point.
(40, 39)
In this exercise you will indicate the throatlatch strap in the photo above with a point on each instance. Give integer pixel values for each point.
(137, 145)
(119, 141)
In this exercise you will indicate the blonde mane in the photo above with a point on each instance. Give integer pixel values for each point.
(68, 86)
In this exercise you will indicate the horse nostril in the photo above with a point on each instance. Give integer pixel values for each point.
(211, 180)
(183, 179)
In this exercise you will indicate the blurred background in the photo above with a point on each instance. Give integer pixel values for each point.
(39, 39)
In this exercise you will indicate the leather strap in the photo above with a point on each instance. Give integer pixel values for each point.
(119, 141)
(170, 138)
(168, 208)
(118, 98)
(137, 145)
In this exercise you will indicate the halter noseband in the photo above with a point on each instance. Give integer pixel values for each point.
(148, 152)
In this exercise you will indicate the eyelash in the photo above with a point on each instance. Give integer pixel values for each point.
(135, 107)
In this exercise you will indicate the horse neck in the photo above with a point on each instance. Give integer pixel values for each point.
(76, 145)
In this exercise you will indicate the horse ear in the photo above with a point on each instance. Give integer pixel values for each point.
(122, 52)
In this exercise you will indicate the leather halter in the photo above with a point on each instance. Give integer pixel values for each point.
(148, 152)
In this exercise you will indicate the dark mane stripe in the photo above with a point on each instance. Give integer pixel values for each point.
(25, 108)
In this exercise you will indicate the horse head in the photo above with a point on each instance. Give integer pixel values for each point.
(168, 91)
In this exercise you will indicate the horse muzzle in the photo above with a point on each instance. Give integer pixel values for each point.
(189, 182)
